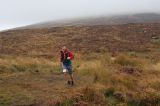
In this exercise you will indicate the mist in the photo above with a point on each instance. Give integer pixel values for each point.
(15, 13)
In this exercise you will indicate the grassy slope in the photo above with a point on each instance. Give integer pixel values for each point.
(129, 80)
(130, 37)
(129, 77)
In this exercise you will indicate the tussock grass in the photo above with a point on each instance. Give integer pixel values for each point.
(99, 81)
(125, 60)
(22, 64)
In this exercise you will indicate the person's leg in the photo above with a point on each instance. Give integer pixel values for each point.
(70, 72)
(65, 73)
(71, 76)
(72, 80)
(65, 76)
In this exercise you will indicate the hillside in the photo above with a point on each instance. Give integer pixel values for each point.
(101, 20)
(114, 65)
(113, 38)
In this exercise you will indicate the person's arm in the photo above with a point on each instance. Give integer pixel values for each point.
(70, 56)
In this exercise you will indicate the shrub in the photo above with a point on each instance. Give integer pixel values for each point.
(134, 65)
(2, 69)
(130, 70)
(67, 102)
(23, 98)
(90, 94)
(5, 99)
(143, 99)
(156, 85)
(18, 68)
(111, 101)
(126, 61)
(109, 92)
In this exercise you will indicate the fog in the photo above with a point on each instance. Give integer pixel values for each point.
(15, 13)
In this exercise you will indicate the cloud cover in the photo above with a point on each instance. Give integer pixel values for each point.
(14, 13)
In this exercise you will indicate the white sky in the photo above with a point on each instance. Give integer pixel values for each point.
(15, 13)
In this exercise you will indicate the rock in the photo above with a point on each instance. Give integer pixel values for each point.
(154, 37)
(113, 58)
(37, 71)
(130, 70)
(119, 96)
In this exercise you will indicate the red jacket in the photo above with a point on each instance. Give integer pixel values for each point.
(65, 55)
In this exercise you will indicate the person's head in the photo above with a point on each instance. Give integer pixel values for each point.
(64, 48)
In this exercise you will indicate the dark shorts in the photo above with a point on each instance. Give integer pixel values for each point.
(68, 67)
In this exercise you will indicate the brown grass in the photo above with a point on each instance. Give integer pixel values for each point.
(99, 80)
(46, 42)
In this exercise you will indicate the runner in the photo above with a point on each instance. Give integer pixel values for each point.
(66, 57)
